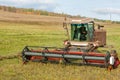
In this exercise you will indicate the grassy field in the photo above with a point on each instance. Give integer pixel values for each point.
(14, 36)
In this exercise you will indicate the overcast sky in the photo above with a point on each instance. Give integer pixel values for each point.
(100, 9)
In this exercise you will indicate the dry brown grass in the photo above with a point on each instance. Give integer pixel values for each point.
(17, 17)
(15, 70)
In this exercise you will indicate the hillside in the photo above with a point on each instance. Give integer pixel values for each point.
(9, 16)
(8, 13)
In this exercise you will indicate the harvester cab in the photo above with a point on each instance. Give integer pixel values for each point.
(82, 31)
(85, 34)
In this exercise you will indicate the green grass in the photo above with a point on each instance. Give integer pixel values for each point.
(14, 36)
(113, 36)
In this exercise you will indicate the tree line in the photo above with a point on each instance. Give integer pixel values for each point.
(32, 11)
(107, 21)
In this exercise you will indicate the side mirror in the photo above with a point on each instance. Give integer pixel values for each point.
(100, 26)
